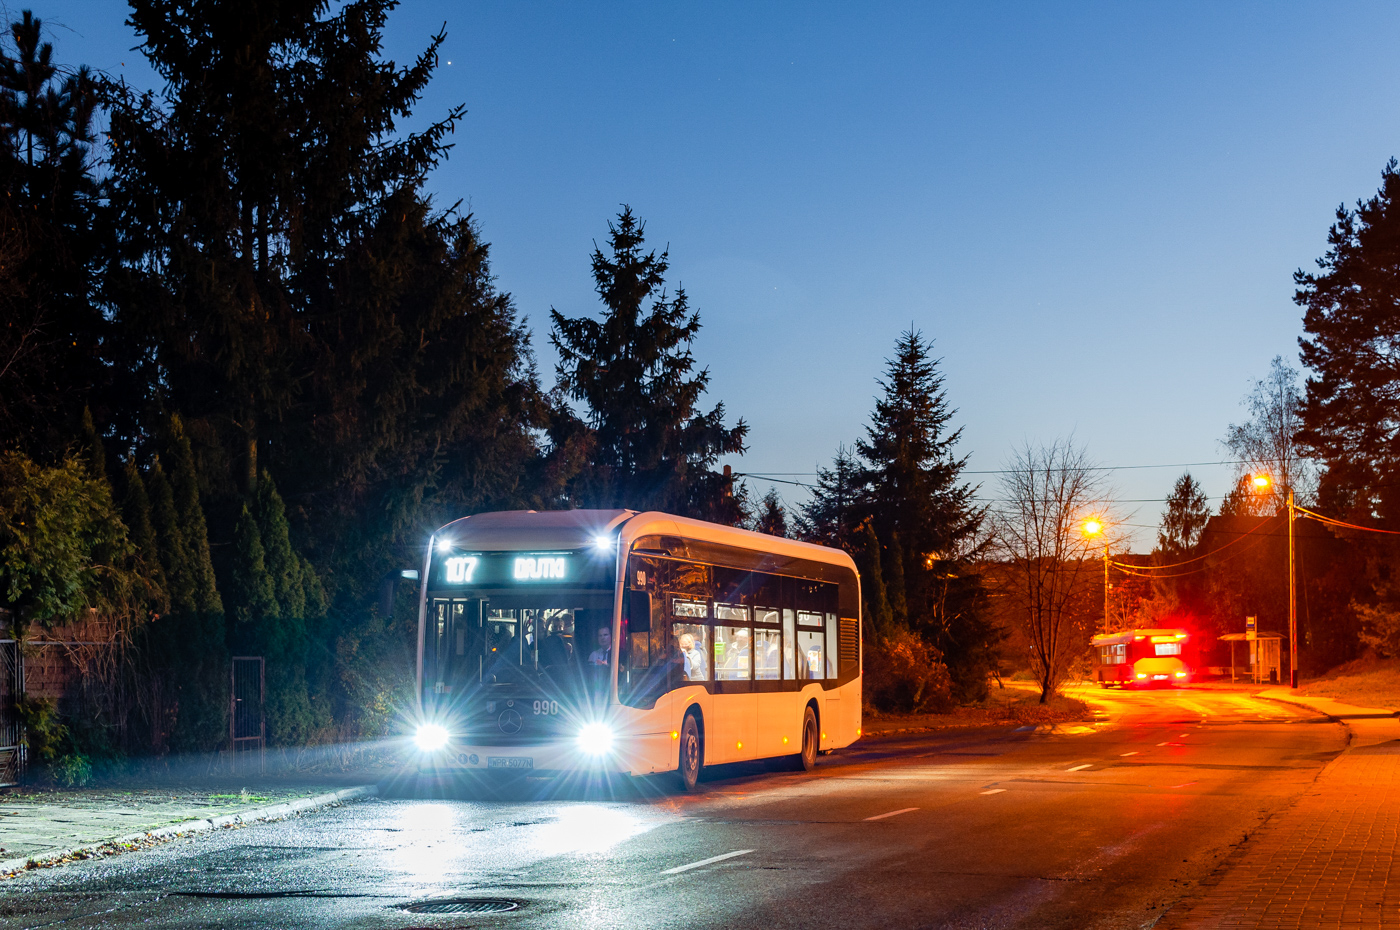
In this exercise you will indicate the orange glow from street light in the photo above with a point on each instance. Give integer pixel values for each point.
(1092, 527)
(1261, 482)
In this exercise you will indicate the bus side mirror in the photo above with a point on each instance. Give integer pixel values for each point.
(639, 611)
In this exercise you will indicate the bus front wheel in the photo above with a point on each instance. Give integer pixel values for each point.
(692, 753)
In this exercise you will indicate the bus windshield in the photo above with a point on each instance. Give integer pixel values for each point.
(563, 638)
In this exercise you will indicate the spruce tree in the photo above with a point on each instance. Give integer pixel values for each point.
(830, 516)
(913, 493)
(1184, 520)
(252, 593)
(633, 370)
(772, 516)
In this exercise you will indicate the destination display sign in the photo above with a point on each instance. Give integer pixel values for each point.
(519, 569)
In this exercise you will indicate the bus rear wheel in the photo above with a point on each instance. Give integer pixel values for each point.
(807, 759)
(692, 753)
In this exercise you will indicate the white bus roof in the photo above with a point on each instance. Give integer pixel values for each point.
(530, 530)
(1127, 636)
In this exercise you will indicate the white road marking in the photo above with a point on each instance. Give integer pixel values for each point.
(695, 865)
(902, 810)
(1164, 744)
(1078, 768)
(1184, 735)
(1133, 753)
(994, 791)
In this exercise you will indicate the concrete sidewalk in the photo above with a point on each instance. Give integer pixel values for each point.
(47, 827)
(1330, 860)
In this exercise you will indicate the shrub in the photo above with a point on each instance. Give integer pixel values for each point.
(44, 732)
(72, 770)
(904, 674)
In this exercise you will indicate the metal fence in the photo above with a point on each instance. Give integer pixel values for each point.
(247, 728)
(11, 732)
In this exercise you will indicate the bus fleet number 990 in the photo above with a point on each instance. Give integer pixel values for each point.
(546, 707)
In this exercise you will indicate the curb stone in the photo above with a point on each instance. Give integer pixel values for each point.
(12, 867)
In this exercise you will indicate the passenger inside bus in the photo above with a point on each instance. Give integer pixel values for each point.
(603, 654)
(692, 658)
(736, 654)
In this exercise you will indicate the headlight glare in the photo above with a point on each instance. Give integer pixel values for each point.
(431, 737)
(595, 739)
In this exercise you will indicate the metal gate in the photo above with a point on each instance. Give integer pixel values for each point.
(11, 733)
(247, 730)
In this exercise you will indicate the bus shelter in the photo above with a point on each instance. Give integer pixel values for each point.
(1264, 665)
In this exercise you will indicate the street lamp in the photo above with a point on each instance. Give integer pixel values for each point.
(1094, 527)
(1261, 484)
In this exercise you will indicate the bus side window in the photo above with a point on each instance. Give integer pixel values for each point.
(693, 643)
(789, 644)
(831, 651)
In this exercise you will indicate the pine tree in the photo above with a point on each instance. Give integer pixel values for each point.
(913, 494)
(829, 516)
(772, 516)
(51, 231)
(1184, 519)
(635, 373)
(1352, 313)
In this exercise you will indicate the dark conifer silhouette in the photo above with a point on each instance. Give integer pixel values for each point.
(633, 371)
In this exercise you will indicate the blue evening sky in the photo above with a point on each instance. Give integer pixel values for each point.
(1094, 209)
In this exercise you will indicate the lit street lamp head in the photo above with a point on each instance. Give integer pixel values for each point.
(1261, 482)
(1093, 526)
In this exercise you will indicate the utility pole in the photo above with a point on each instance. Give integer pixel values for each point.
(1105, 586)
(1292, 603)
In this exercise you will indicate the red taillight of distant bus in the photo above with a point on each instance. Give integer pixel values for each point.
(1137, 658)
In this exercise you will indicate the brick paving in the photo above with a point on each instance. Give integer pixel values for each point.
(1332, 860)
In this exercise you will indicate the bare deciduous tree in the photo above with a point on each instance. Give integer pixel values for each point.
(1265, 442)
(1048, 492)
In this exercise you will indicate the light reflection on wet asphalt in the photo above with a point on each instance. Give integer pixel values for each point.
(987, 829)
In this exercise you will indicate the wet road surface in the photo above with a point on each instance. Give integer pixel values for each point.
(1106, 827)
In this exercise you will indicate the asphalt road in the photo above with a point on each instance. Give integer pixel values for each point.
(1102, 828)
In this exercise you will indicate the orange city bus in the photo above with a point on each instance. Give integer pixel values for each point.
(1144, 657)
(611, 640)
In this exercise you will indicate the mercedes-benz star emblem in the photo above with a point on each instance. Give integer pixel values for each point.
(509, 722)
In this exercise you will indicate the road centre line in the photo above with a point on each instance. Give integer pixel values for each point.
(1133, 753)
(994, 791)
(1080, 768)
(902, 810)
(713, 859)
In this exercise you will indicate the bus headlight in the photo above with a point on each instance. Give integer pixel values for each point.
(430, 737)
(1180, 674)
(595, 739)
(1142, 674)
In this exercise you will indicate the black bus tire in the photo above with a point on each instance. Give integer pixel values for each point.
(806, 760)
(692, 753)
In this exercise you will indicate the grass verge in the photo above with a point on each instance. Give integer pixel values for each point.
(1014, 705)
(1364, 682)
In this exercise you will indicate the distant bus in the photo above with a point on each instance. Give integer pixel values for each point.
(632, 642)
(1144, 657)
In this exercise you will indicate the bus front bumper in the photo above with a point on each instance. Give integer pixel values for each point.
(542, 758)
